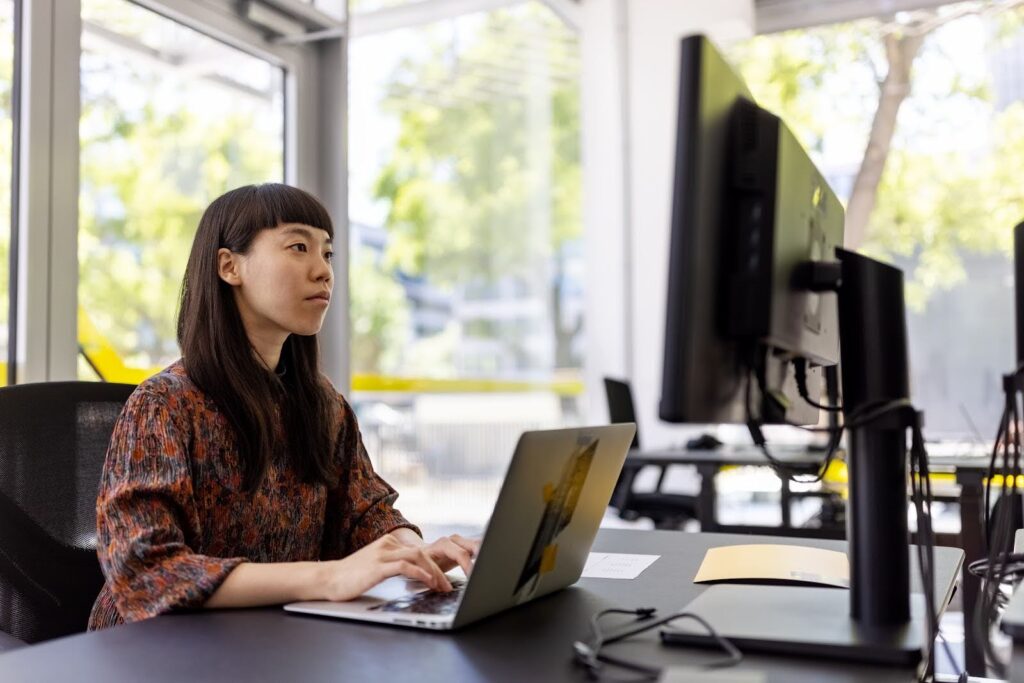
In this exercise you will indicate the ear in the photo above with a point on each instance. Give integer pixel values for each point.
(228, 267)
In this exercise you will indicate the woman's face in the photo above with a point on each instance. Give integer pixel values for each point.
(283, 284)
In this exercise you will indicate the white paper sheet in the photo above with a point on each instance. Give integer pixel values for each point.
(616, 565)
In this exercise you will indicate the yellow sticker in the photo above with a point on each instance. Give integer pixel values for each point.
(547, 560)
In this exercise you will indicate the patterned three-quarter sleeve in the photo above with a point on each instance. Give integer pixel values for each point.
(146, 515)
(370, 514)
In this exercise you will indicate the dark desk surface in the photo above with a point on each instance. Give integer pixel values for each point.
(969, 464)
(530, 643)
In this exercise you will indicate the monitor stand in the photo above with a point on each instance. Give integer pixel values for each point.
(800, 621)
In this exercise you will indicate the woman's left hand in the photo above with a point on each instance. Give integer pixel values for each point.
(454, 550)
(447, 552)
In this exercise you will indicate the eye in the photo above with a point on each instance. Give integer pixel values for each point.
(329, 255)
(298, 247)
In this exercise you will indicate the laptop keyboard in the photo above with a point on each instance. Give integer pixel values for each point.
(429, 602)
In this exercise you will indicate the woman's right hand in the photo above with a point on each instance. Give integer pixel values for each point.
(350, 577)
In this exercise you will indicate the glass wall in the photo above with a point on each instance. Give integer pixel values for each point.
(170, 119)
(937, 195)
(466, 248)
(6, 167)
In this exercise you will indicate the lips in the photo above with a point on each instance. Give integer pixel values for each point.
(320, 297)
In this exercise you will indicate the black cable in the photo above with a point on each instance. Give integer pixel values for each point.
(592, 657)
(1000, 565)
(782, 470)
(862, 416)
(921, 494)
(800, 370)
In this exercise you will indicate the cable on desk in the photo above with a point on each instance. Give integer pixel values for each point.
(594, 656)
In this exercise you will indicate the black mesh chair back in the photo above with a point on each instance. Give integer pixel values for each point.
(53, 440)
(666, 510)
(620, 405)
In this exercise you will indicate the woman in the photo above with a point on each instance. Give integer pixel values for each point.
(237, 477)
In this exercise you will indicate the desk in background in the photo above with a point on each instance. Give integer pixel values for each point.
(709, 462)
(532, 642)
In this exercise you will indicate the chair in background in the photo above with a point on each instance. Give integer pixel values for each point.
(666, 510)
(53, 440)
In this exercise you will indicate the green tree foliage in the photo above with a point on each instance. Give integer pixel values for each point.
(935, 200)
(379, 315)
(150, 163)
(471, 198)
(143, 189)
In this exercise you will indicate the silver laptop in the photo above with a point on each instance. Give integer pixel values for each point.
(547, 515)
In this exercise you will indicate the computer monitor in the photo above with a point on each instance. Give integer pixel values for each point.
(749, 209)
(760, 287)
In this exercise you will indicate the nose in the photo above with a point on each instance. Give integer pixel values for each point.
(323, 271)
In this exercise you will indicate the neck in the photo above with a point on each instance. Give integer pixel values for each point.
(266, 338)
(268, 352)
(266, 344)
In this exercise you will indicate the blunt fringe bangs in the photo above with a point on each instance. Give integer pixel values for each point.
(221, 361)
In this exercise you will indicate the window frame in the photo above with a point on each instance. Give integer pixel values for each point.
(315, 159)
(10, 358)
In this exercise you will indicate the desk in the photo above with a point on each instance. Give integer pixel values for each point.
(529, 643)
(970, 471)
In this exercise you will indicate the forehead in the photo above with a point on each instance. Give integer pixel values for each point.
(286, 230)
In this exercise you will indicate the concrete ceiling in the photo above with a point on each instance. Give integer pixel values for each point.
(781, 15)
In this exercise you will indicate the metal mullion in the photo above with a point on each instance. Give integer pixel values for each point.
(62, 346)
(35, 164)
(12, 275)
(321, 130)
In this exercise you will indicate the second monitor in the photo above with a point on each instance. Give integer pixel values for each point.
(748, 208)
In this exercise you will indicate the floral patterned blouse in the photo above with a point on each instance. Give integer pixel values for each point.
(173, 518)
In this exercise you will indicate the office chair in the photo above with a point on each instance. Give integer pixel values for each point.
(666, 510)
(53, 439)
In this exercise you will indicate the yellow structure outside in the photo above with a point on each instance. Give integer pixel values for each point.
(105, 358)
(101, 353)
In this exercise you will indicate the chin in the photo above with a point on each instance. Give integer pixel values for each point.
(306, 327)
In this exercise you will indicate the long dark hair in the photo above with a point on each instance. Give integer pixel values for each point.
(219, 357)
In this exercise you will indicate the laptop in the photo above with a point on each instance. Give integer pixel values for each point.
(550, 506)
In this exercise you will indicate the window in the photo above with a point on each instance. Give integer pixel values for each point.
(170, 119)
(466, 280)
(947, 200)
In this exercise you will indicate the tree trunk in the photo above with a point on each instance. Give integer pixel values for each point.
(900, 52)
